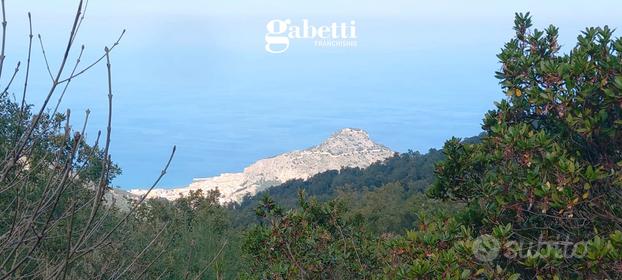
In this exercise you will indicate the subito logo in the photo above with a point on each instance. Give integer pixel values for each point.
(486, 248)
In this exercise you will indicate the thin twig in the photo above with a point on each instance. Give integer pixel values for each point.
(164, 250)
(22, 108)
(45, 57)
(57, 195)
(103, 179)
(224, 244)
(86, 4)
(60, 98)
(136, 205)
(2, 56)
(142, 252)
(6, 89)
(14, 155)
(69, 237)
(95, 62)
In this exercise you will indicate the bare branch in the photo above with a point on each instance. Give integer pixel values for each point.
(103, 179)
(165, 249)
(142, 252)
(136, 205)
(2, 56)
(60, 98)
(45, 57)
(27, 63)
(96, 61)
(13, 156)
(6, 89)
(224, 244)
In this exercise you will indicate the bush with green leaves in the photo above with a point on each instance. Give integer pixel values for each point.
(197, 243)
(315, 241)
(550, 164)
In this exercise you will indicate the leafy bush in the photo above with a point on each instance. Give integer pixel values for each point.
(550, 164)
(315, 241)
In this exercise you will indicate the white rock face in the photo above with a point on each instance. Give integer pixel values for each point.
(346, 148)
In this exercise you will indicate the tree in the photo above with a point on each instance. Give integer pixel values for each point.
(549, 165)
(54, 221)
(313, 242)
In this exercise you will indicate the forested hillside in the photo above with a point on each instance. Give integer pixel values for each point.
(411, 172)
(385, 194)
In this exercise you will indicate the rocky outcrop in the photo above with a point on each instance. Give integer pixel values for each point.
(346, 148)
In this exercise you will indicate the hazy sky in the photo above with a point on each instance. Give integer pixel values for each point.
(195, 73)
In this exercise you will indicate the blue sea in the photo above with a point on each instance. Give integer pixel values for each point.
(197, 76)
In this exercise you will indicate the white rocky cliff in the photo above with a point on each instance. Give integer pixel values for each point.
(346, 148)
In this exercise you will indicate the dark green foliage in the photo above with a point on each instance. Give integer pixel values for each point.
(198, 237)
(313, 242)
(392, 208)
(406, 168)
(551, 162)
(413, 171)
(39, 174)
(185, 239)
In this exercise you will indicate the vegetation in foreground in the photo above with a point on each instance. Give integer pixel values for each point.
(541, 191)
(537, 196)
